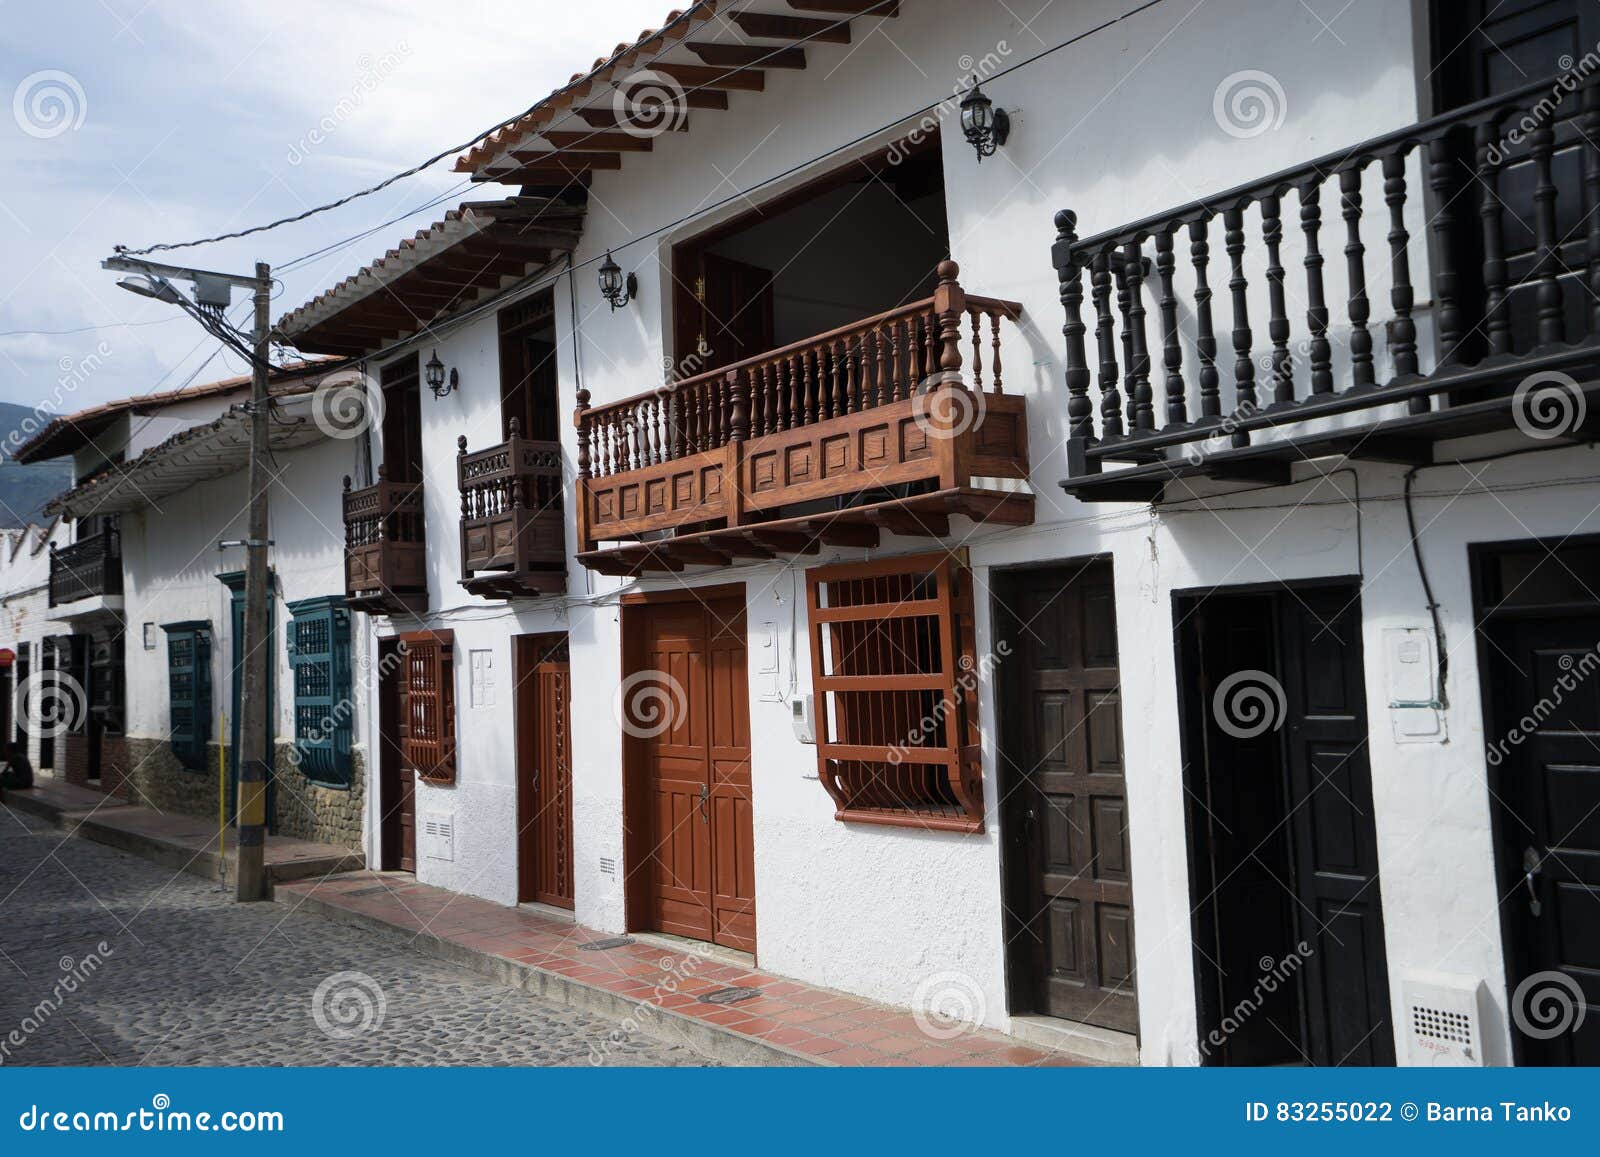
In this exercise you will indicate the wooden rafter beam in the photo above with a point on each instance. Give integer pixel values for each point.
(704, 76)
(605, 117)
(574, 165)
(884, 8)
(767, 26)
(591, 141)
(741, 55)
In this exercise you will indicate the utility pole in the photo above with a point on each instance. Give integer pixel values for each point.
(253, 768)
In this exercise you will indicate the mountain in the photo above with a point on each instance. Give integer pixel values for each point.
(25, 489)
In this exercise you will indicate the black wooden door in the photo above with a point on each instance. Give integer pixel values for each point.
(1546, 793)
(1069, 894)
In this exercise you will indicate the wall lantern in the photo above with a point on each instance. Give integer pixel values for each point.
(985, 127)
(433, 374)
(615, 287)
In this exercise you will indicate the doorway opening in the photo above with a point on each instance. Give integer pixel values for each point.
(1289, 955)
(397, 786)
(528, 391)
(542, 673)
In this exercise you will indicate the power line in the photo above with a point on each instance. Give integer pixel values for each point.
(84, 328)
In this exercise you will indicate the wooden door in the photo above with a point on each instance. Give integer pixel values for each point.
(725, 312)
(544, 771)
(397, 817)
(1546, 797)
(686, 711)
(402, 421)
(1069, 880)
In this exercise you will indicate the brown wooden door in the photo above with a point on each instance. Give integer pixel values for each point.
(725, 312)
(397, 816)
(544, 771)
(1069, 883)
(686, 708)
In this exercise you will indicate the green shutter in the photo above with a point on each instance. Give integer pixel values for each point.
(189, 691)
(319, 656)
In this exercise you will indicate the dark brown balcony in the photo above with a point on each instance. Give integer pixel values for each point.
(513, 539)
(883, 425)
(89, 568)
(385, 553)
(1511, 199)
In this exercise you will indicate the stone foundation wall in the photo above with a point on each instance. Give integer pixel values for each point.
(312, 812)
(114, 765)
(72, 758)
(153, 777)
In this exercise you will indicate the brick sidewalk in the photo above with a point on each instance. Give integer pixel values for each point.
(786, 1018)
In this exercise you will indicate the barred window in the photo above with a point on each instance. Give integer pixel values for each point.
(189, 691)
(324, 708)
(428, 745)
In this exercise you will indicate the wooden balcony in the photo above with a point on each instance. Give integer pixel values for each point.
(385, 551)
(1514, 307)
(830, 440)
(513, 539)
(89, 568)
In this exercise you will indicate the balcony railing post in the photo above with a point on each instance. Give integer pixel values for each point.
(1443, 158)
(580, 514)
(1080, 410)
(950, 303)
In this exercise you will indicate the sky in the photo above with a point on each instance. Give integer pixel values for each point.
(140, 121)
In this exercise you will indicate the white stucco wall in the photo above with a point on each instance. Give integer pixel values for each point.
(25, 603)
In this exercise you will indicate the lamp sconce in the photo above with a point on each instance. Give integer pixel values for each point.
(433, 374)
(985, 127)
(616, 287)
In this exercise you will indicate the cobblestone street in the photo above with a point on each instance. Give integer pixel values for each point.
(110, 960)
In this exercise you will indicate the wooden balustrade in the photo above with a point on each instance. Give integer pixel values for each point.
(88, 568)
(385, 547)
(856, 408)
(1496, 318)
(513, 540)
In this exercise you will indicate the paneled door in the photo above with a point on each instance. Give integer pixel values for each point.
(684, 704)
(544, 770)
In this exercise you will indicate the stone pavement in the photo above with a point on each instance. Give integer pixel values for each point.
(106, 959)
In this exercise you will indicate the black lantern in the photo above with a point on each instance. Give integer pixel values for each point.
(985, 127)
(433, 374)
(615, 287)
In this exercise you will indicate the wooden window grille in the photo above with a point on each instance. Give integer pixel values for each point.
(324, 709)
(895, 680)
(189, 692)
(428, 746)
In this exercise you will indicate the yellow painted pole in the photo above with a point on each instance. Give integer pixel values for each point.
(222, 794)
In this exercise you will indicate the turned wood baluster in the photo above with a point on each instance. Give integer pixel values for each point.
(513, 481)
(1496, 321)
(1139, 366)
(583, 434)
(1442, 162)
(930, 345)
(844, 367)
(1360, 309)
(1205, 336)
(813, 403)
(1244, 367)
(1106, 344)
(896, 382)
(798, 388)
(1402, 330)
(1552, 325)
(879, 342)
(1171, 349)
(467, 490)
(1316, 301)
(994, 362)
(1589, 126)
(977, 349)
(769, 395)
(1278, 312)
(1069, 275)
(1130, 381)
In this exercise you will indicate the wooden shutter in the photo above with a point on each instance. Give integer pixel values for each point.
(189, 691)
(896, 692)
(319, 656)
(429, 746)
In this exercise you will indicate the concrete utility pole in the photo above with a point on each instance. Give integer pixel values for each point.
(251, 877)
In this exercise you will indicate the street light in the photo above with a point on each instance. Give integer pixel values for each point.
(618, 289)
(157, 287)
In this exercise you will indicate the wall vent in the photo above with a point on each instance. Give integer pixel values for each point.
(608, 866)
(1443, 1021)
(438, 837)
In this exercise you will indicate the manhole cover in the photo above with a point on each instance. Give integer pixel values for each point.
(730, 995)
(608, 942)
(368, 891)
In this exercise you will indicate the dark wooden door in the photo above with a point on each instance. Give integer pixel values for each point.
(1546, 796)
(402, 421)
(544, 771)
(686, 706)
(397, 816)
(725, 312)
(1070, 950)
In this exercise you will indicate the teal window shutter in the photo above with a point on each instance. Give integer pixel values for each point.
(319, 656)
(189, 691)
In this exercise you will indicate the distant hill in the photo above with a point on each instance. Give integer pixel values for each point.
(25, 489)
